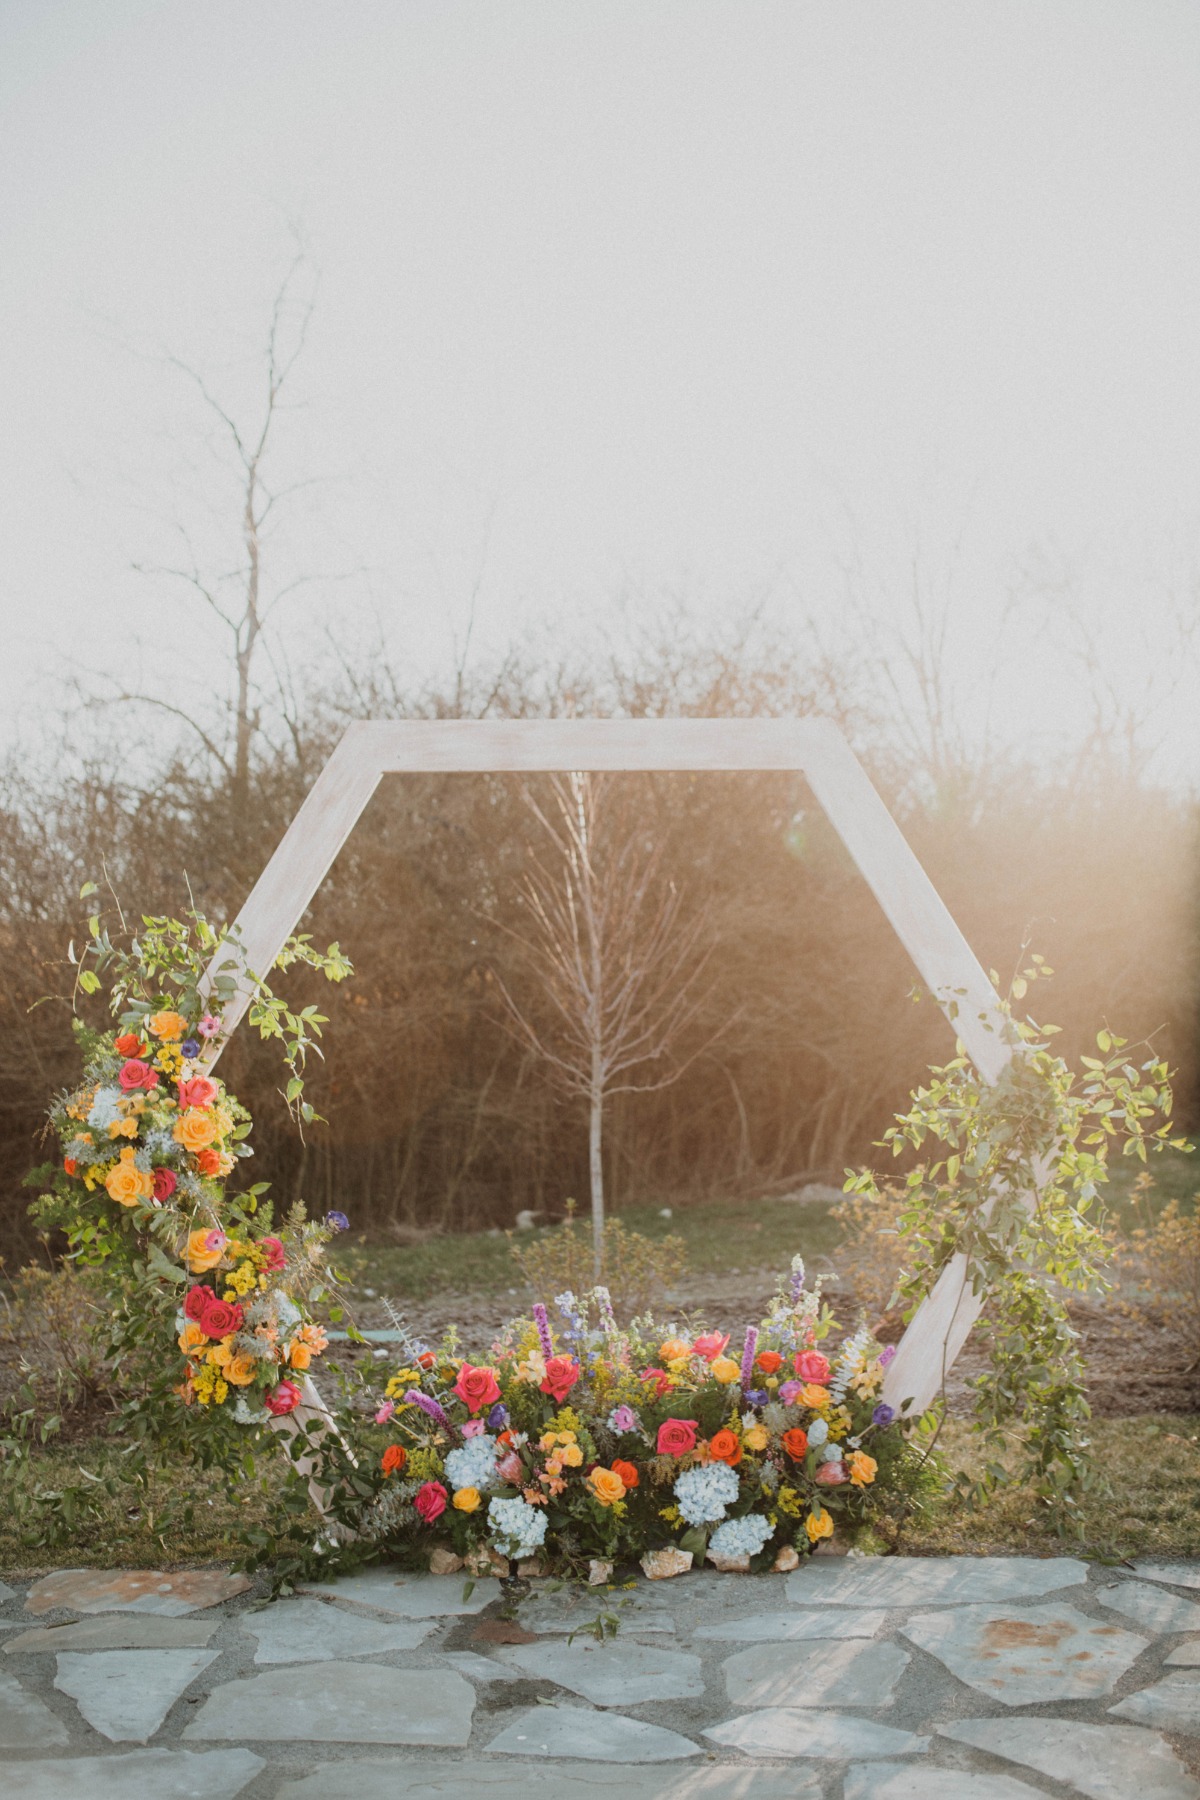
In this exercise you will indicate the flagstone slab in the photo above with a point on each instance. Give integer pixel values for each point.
(1173, 1703)
(134, 1590)
(26, 1723)
(551, 1779)
(142, 1775)
(6, 1593)
(1025, 1655)
(126, 1694)
(340, 1703)
(572, 1732)
(409, 1596)
(815, 1673)
(779, 1731)
(480, 1668)
(306, 1630)
(1172, 1574)
(612, 1674)
(895, 1781)
(787, 1627)
(1187, 1656)
(1103, 1762)
(1151, 1607)
(930, 1580)
(115, 1631)
(567, 1611)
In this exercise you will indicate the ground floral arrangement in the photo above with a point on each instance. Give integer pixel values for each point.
(589, 1443)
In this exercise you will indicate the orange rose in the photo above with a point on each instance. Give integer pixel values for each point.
(627, 1472)
(204, 1250)
(299, 1355)
(770, 1361)
(214, 1162)
(195, 1130)
(126, 1183)
(168, 1025)
(812, 1394)
(606, 1486)
(191, 1337)
(394, 1458)
(674, 1350)
(241, 1369)
(795, 1442)
(862, 1469)
(723, 1447)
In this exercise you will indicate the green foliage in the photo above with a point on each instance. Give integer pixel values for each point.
(1014, 1185)
(636, 1270)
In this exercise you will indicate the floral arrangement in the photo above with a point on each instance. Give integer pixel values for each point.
(589, 1442)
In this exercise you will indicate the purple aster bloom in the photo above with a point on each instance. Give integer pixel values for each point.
(756, 1396)
(498, 1417)
(887, 1355)
(542, 1322)
(428, 1406)
(883, 1414)
(748, 1353)
(190, 1047)
(337, 1221)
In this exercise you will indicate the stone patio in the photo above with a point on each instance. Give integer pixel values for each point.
(967, 1678)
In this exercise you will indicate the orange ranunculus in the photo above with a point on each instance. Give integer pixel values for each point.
(795, 1442)
(862, 1469)
(204, 1250)
(606, 1486)
(723, 1446)
(674, 1350)
(627, 1472)
(394, 1459)
(770, 1361)
(195, 1130)
(70, 1165)
(241, 1369)
(126, 1183)
(300, 1355)
(166, 1025)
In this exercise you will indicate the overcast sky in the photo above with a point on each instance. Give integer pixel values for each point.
(615, 299)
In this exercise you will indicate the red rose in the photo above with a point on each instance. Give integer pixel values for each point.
(477, 1388)
(281, 1399)
(430, 1501)
(128, 1044)
(165, 1183)
(676, 1437)
(137, 1074)
(221, 1318)
(662, 1381)
(769, 1361)
(832, 1474)
(795, 1442)
(711, 1345)
(199, 1091)
(273, 1250)
(562, 1372)
(812, 1366)
(197, 1303)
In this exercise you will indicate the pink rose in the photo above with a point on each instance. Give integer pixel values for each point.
(477, 1388)
(711, 1345)
(676, 1437)
(199, 1091)
(812, 1366)
(273, 1251)
(562, 1372)
(165, 1183)
(385, 1412)
(430, 1501)
(662, 1381)
(137, 1074)
(281, 1399)
(509, 1468)
(832, 1474)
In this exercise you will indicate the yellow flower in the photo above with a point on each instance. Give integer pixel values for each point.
(299, 1355)
(820, 1527)
(862, 1469)
(811, 1394)
(166, 1025)
(221, 1353)
(547, 1440)
(123, 1128)
(241, 1369)
(191, 1337)
(724, 1369)
(126, 1183)
(572, 1456)
(223, 1120)
(606, 1485)
(198, 1253)
(756, 1438)
(196, 1129)
(399, 1381)
(467, 1500)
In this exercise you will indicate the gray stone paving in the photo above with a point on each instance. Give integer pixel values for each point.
(852, 1679)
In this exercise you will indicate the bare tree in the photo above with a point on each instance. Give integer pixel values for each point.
(614, 958)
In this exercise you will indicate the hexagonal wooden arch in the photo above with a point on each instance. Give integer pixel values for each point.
(812, 747)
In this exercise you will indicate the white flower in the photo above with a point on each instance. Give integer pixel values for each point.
(740, 1537)
(518, 1529)
(704, 1493)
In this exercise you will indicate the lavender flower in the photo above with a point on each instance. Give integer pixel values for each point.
(608, 1319)
(428, 1406)
(883, 1414)
(748, 1354)
(887, 1355)
(542, 1322)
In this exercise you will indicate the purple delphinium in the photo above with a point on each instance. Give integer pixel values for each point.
(797, 1283)
(498, 1417)
(883, 1414)
(608, 1319)
(887, 1355)
(542, 1322)
(337, 1221)
(748, 1353)
(428, 1406)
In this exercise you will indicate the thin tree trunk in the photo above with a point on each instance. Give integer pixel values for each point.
(595, 1123)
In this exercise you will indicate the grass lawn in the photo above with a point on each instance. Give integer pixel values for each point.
(1151, 1461)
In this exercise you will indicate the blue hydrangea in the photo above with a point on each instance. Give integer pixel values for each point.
(473, 1464)
(517, 1528)
(703, 1494)
(740, 1537)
